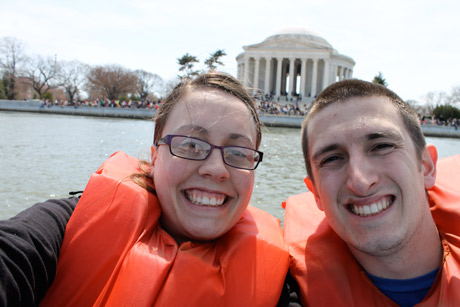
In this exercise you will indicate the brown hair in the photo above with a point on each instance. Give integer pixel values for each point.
(341, 91)
(213, 80)
(210, 80)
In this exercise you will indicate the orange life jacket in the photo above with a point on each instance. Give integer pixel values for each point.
(329, 275)
(115, 253)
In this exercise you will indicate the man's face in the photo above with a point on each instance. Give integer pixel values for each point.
(367, 177)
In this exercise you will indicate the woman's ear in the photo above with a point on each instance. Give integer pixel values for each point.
(429, 159)
(311, 188)
(153, 154)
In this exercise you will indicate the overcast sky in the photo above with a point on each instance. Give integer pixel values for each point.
(415, 44)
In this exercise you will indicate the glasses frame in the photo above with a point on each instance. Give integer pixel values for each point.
(166, 140)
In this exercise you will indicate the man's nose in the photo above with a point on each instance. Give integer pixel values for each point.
(362, 175)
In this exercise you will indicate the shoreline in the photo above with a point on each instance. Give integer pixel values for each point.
(282, 121)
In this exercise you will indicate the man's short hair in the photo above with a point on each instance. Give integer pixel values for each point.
(342, 91)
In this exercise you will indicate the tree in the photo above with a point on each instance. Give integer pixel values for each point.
(71, 77)
(446, 112)
(111, 81)
(454, 97)
(214, 58)
(186, 63)
(435, 98)
(2, 90)
(11, 58)
(169, 86)
(42, 74)
(379, 79)
(147, 83)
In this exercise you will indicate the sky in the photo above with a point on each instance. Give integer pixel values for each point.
(415, 44)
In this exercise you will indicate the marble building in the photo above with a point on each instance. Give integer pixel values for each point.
(293, 63)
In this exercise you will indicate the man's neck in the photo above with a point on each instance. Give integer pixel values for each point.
(421, 255)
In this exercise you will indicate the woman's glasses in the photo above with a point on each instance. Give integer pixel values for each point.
(191, 148)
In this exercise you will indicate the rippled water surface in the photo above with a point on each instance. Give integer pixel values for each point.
(45, 156)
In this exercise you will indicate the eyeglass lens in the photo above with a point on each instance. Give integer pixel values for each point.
(195, 149)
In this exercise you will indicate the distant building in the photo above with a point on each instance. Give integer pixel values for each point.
(267, 67)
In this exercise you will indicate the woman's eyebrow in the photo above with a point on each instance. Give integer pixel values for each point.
(193, 128)
(235, 136)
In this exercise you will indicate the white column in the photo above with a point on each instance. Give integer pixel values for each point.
(291, 76)
(268, 76)
(340, 72)
(326, 74)
(314, 77)
(333, 73)
(278, 76)
(255, 85)
(246, 71)
(303, 77)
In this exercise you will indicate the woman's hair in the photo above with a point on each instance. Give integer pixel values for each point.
(210, 80)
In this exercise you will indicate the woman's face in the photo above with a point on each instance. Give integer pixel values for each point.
(202, 200)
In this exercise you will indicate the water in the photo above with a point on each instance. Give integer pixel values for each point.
(45, 156)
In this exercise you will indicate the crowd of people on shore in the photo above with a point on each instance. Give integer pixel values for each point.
(439, 121)
(266, 104)
(106, 103)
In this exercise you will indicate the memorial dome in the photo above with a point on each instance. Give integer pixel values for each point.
(297, 33)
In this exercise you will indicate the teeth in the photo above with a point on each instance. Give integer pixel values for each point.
(371, 209)
(210, 199)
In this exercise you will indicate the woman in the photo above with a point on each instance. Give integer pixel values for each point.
(187, 237)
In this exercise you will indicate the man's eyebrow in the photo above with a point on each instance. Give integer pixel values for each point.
(382, 134)
(324, 150)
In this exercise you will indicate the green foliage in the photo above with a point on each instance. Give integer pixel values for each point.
(2, 90)
(134, 97)
(48, 95)
(186, 63)
(9, 86)
(214, 58)
(379, 79)
(446, 111)
(123, 98)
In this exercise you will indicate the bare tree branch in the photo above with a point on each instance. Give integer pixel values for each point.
(147, 83)
(111, 81)
(71, 77)
(11, 58)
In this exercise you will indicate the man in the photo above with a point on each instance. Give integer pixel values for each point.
(385, 233)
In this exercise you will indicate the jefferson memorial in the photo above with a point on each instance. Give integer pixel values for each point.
(293, 63)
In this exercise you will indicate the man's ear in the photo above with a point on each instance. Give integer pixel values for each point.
(429, 159)
(311, 188)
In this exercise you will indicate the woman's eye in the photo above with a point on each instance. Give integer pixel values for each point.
(191, 145)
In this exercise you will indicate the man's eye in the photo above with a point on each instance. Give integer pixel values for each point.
(329, 160)
(382, 146)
